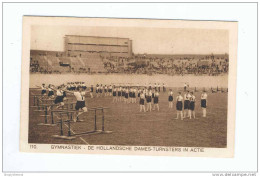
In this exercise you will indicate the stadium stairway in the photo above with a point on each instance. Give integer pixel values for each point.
(95, 64)
(82, 63)
(49, 64)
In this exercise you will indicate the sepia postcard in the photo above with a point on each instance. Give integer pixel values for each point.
(128, 86)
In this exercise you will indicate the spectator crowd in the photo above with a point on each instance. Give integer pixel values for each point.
(144, 64)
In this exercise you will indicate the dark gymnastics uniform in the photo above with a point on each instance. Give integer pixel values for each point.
(50, 93)
(148, 98)
(156, 100)
(170, 98)
(114, 92)
(179, 105)
(203, 103)
(123, 93)
(109, 90)
(43, 91)
(131, 94)
(134, 94)
(58, 99)
(186, 103)
(192, 104)
(141, 101)
(80, 105)
(119, 92)
(126, 95)
(91, 89)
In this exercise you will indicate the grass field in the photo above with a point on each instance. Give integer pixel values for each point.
(131, 127)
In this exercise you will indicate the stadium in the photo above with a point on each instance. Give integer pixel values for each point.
(88, 54)
(96, 63)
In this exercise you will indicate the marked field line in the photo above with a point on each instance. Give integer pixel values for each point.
(74, 132)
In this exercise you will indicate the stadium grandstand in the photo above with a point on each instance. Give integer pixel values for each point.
(90, 54)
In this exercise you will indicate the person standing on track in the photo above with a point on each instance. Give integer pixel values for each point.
(149, 100)
(179, 106)
(138, 92)
(192, 106)
(114, 94)
(204, 103)
(105, 90)
(164, 89)
(150, 86)
(185, 87)
(110, 88)
(134, 95)
(84, 86)
(186, 103)
(156, 100)
(97, 90)
(170, 98)
(131, 95)
(119, 93)
(153, 94)
(146, 92)
(126, 95)
(155, 86)
(123, 94)
(142, 97)
(101, 88)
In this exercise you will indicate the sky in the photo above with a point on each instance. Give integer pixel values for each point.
(145, 40)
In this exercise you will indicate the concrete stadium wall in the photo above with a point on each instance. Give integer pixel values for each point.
(170, 81)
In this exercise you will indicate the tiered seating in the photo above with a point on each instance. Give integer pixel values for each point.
(94, 63)
(81, 62)
(75, 64)
(55, 61)
(42, 63)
